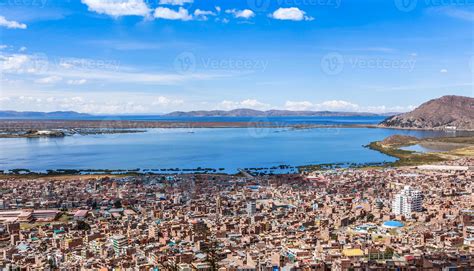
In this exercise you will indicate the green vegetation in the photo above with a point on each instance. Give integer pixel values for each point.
(461, 147)
(405, 158)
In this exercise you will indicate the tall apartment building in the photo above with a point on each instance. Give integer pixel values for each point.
(407, 201)
(251, 207)
(119, 242)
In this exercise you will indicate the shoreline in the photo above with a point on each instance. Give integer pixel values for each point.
(256, 171)
(25, 124)
(22, 128)
(423, 129)
(404, 157)
(462, 146)
(118, 124)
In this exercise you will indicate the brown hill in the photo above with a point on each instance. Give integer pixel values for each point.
(395, 140)
(447, 112)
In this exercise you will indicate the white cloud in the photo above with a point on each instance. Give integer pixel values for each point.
(344, 106)
(3, 46)
(95, 104)
(49, 80)
(443, 71)
(13, 63)
(165, 102)
(252, 103)
(457, 13)
(248, 103)
(82, 104)
(117, 8)
(387, 109)
(338, 105)
(332, 105)
(199, 12)
(296, 106)
(103, 71)
(11, 24)
(22, 49)
(77, 82)
(66, 65)
(169, 14)
(292, 14)
(202, 14)
(21, 63)
(244, 14)
(176, 2)
(116, 77)
(140, 102)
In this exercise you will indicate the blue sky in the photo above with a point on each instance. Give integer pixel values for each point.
(153, 56)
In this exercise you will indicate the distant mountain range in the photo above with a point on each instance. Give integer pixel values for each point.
(244, 112)
(41, 115)
(214, 113)
(447, 112)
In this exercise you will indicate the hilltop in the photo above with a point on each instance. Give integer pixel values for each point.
(447, 112)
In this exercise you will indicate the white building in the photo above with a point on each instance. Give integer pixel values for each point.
(407, 201)
(251, 207)
(119, 242)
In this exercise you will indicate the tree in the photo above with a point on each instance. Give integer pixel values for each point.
(388, 254)
(118, 204)
(83, 226)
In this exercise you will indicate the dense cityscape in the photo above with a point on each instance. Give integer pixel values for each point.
(236, 135)
(343, 219)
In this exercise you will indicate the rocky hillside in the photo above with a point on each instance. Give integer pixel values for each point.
(446, 112)
(398, 140)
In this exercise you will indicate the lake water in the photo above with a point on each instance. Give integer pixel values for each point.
(229, 148)
(419, 148)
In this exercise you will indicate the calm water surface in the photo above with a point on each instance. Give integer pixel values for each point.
(419, 148)
(191, 148)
